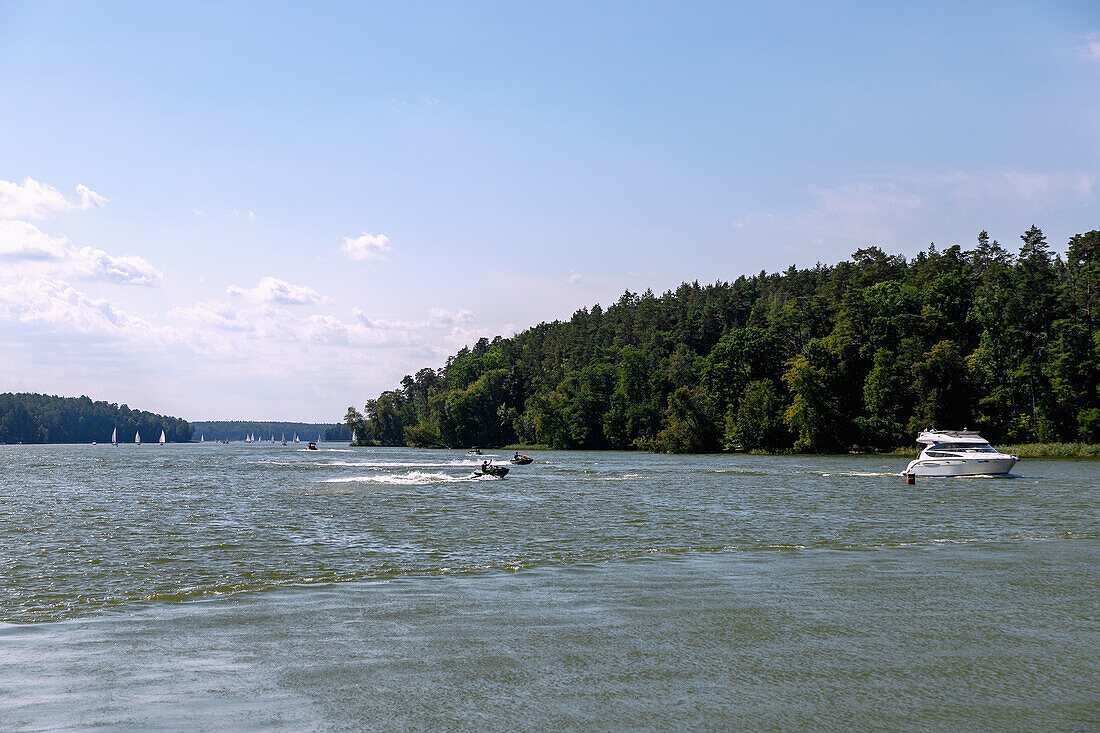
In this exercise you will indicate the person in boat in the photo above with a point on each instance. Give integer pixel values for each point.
(485, 467)
(516, 456)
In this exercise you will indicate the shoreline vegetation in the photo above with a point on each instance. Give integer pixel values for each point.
(38, 418)
(1027, 450)
(855, 357)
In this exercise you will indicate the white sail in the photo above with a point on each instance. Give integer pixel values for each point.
(296, 438)
(202, 438)
(352, 436)
(137, 437)
(114, 436)
(162, 438)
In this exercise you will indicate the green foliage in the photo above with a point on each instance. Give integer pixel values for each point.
(860, 354)
(756, 424)
(237, 430)
(38, 418)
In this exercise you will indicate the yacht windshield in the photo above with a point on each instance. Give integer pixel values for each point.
(966, 447)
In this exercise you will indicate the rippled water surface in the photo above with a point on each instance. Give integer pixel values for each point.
(268, 587)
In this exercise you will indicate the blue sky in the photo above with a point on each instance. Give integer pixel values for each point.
(285, 208)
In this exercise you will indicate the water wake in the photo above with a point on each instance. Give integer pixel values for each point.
(410, 478)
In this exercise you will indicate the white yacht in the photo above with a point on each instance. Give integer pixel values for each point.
(958, 453)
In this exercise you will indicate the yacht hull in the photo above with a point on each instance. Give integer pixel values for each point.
(961, 466)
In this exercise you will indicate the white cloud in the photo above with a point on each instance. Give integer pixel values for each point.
(1090, 51)
(438, 318)
(34, 200)
(1032, 191)
(574, 277)
(886, 209)
(273, 290)
(26, 251)
(366, 246)
(441, 317)
(89, 199)
(213, 315)
(60, 306)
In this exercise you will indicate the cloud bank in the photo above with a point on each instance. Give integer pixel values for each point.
(34, 200)
(27, 251)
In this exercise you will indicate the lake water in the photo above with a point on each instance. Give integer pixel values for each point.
(263, 587)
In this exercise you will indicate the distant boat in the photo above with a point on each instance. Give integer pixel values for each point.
(162, 440)
(137, 437)
(202, 438)
(296, 438)
(114, 436)
(283, 436)
(352, 436)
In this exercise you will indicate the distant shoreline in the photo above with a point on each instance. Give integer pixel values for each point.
(1072, 451)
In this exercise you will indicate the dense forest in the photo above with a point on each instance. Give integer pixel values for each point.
(38, 418)
(860, 355)
(264, 430)
(338, 432)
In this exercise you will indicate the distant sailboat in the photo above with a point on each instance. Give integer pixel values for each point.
(202, 438)
(163, 439)
(114, 437)
(352, 436)
(296, 438)
(137, 437)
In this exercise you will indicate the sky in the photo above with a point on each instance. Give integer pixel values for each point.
(273, 211)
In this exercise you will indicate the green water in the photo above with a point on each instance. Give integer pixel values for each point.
(259, 587)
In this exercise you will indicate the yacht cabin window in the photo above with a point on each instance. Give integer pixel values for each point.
(965, 447)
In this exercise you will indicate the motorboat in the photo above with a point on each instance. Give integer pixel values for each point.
(311, 446)
(521, 460)
(959, 453)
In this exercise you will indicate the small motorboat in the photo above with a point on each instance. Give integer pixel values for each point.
(475, 451)
(498, 471)
(521, 460)
(311, 446)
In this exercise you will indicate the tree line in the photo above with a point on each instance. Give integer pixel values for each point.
(860, 355)
(39, 418)
(236, 430)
